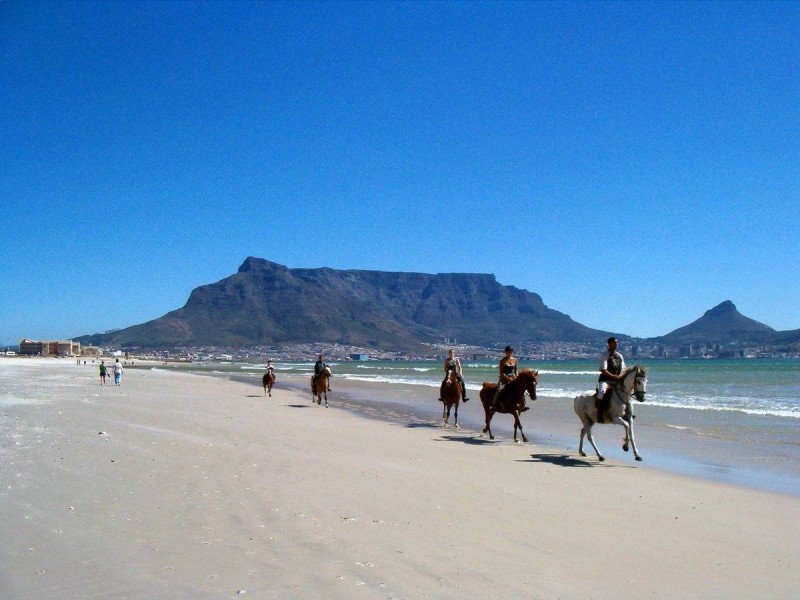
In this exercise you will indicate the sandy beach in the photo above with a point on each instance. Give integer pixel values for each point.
(178, 485)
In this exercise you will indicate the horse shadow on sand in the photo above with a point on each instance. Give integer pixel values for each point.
(472, 440)
(565, 460)
(423, 425)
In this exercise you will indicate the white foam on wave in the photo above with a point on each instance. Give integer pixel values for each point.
(549, 372)
(763, 412)
(400, 381)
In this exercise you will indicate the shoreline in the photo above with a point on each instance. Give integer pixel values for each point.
(552, 424)
(185, 485)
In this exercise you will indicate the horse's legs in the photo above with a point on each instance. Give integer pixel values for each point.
(580, 443)
(590, 437)
(489, 415)
(518, 424)
(445, 416)
(455, 425)
(628, 426)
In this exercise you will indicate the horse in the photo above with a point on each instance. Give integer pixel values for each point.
(633, 382)
(511, 400)
(450, 393)
(321, 386)
(268, 380)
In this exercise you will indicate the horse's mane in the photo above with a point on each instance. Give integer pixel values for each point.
(628, 370)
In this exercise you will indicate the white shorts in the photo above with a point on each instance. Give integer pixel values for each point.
(601, 388)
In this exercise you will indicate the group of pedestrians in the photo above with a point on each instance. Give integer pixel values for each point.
(116, 370)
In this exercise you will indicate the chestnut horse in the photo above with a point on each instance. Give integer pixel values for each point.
(321, 387)
(511, 400)
(450, 393)
(268, 380)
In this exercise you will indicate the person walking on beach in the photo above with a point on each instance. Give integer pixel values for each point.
(117, 373)
(319, 367)
(507, 368)
(103, 372)
(453, 363)
(611, 366)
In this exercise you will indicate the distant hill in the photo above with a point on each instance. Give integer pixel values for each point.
(266, 303)
(721, 325)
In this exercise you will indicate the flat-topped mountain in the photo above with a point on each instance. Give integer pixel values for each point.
(267, 303)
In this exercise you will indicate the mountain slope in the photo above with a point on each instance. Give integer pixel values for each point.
(267, 303)
(721, 324)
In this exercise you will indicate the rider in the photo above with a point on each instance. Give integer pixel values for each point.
(453, 363)
(270, 369)
(611, 366)
(319, 367)
(508, 371)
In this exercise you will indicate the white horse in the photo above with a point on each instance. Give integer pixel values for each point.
(633, 382)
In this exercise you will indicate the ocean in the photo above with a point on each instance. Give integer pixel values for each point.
(736, 421)
(754, 387)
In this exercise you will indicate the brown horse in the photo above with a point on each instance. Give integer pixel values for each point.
(268, 380)
(511, 400)
(450, 393)
(321, 387)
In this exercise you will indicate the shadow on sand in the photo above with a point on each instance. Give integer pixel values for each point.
(423, 425)
(298, 405)
(472, 440)
(564, 460)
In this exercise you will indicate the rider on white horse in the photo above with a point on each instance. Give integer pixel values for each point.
(612, 364)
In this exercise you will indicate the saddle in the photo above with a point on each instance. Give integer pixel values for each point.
(602, 405)
(506, 401)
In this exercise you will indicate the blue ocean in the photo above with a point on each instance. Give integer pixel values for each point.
(737, 421)
(754, 387)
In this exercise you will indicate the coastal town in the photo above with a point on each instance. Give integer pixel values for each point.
(526, 351)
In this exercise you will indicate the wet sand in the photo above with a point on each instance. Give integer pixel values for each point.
(179, 485)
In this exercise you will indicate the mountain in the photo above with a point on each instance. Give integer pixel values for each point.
(721, 325)
(266, 303)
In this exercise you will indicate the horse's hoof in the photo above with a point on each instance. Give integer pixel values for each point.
(456, 426)
(601, 458)
(583, 453)
(639, 458)
(625, 447)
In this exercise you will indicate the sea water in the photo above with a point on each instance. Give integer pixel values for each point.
(754, 387)
(737, 421)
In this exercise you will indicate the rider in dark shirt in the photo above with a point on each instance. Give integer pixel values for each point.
(319, 367)
(611, 366)
(508, 371)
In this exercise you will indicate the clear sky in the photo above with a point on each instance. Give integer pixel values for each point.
(633, 163)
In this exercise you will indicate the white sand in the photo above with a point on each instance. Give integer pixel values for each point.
(203, 488)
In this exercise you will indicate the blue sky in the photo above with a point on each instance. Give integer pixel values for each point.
(635, 164)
